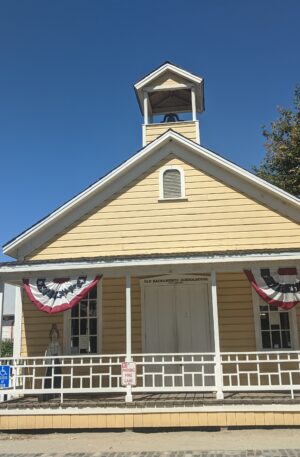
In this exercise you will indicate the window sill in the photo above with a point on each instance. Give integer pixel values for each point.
(176, 199)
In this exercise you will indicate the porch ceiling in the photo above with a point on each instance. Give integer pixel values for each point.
(204, 262)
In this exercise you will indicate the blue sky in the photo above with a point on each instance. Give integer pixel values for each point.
(68, 113)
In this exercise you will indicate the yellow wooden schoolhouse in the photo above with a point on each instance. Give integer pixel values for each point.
(163, 295)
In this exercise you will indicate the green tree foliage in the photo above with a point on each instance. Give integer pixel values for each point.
(281, 164)
(6, 348)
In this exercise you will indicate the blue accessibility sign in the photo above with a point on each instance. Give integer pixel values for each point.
(4, 376)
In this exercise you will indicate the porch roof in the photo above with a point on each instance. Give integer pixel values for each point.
(206, 261)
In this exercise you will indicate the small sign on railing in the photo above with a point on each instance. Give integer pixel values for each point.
(128, 373)
(4, 376)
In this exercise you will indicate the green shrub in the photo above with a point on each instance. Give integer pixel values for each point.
(6, 348)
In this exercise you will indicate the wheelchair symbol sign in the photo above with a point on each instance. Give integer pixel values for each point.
(4, 376)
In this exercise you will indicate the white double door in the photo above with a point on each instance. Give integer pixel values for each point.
(176, 316)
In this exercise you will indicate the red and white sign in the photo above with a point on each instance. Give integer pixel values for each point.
(128, 373)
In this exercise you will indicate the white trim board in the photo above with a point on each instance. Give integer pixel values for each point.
(161, 183)
(123, 410)
(147, 84)
(195, 264)
(168, 143)
(167, 67)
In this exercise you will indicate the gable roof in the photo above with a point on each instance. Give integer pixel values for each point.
(207, 160)
(147, 82)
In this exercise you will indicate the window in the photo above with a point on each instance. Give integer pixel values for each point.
(172, 183)
(83, 325)
(276, 328)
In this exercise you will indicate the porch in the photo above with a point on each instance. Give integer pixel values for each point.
(234, 377)
(258, 390)
(231, 373)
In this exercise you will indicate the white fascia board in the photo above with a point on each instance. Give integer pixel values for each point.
(132, 263)
(137, 159)
(195, 80)
(167, 67)
(83, 196)
(224, 163)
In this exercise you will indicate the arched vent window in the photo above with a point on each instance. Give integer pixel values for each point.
(172, 183)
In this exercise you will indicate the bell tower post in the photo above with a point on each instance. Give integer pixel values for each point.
(170, 98)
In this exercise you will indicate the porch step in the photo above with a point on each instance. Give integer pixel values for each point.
(151, 400)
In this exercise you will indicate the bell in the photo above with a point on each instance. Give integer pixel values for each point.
(171, 117)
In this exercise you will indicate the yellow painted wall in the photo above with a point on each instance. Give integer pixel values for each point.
(235, 315)
(187, 129)
(114, 315)
(236, 319)
(215, 217)
(36, 326)
(169, 80)
(242, 418)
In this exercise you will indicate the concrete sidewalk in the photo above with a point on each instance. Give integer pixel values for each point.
(262, 440)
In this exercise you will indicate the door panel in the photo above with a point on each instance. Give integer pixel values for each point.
(160, 319)
(193, 319)
(177, 318)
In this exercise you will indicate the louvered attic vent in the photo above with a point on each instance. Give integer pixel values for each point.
(172, 184)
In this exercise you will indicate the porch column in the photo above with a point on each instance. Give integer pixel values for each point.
(1, 322)
(128, 397)
(146, 116)
(218, 364)
(1, 310)
(193, 100)
(18, 323)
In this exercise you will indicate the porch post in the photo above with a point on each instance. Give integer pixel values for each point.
(18, 323)
(1, 322)
(128, 397)
(193, 99)
(1, 310)
(218, 364)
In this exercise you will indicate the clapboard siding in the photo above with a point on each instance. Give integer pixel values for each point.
(114, 316)
(214, 218)
(169, 80)
(136, 419)
(187, 129)
(36, 326)
(236, 320)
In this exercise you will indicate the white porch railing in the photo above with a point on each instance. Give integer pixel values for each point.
(64, 374)
(175, 372)
(261, 371)
(239, 371)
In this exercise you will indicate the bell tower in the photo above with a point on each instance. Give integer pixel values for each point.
(170, 98)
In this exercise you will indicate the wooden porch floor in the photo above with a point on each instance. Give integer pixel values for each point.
(150, 400)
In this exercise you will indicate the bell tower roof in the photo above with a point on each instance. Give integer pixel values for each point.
(168, 89)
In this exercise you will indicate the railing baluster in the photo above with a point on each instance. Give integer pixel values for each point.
(168, 372)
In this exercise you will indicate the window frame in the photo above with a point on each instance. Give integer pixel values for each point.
(67, 326)
(257, 301)
(161, 183)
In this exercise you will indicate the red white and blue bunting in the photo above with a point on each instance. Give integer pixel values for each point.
(277, 286)
(56, 295)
